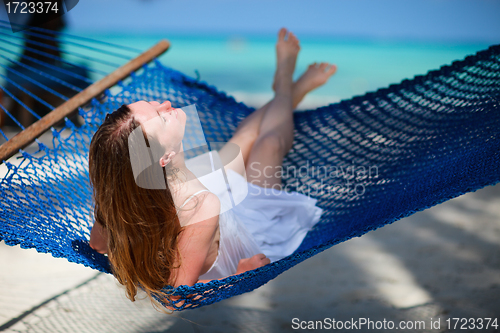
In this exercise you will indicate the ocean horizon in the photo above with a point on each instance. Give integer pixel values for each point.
(243, 65)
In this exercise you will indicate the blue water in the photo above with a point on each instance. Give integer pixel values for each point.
(243, 66)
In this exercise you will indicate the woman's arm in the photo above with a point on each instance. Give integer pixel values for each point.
(247, 264)
(99, 238)
(244, 265)
(196, 239)
(194, 245)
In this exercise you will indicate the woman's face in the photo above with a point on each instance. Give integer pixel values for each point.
(161, 121)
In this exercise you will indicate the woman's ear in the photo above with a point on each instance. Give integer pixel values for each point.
(167, 158)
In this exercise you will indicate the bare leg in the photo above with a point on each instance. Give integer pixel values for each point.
(276, 128)
(315, 76)
(248, 130)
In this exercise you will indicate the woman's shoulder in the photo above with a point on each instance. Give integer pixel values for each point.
(202, 205)
(209, 201)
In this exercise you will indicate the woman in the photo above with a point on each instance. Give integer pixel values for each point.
(178, 235)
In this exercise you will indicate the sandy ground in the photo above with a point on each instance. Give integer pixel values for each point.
(438, 264)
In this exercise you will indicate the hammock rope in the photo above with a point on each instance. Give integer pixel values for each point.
(67, 36)
(49, 66)
(86, 47)
(369, 161)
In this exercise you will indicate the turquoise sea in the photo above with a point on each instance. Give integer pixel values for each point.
(243, 65)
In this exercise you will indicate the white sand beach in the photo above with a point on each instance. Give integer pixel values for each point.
(437, 264)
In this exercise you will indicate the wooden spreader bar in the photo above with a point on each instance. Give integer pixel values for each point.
(24, 138)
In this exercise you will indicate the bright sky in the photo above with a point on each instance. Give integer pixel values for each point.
(438, 20)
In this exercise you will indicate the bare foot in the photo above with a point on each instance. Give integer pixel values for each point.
(287, 50)
(314, 77)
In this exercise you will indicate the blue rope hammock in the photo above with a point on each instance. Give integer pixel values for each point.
(369, 161)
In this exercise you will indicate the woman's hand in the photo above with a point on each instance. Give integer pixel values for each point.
(247, 264)
(251, 263)
(99, 238)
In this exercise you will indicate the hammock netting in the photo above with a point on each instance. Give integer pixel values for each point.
(369, 161)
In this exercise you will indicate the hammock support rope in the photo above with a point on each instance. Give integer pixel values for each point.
(369, 161)
(29, 134)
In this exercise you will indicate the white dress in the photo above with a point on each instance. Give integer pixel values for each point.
(272, 222)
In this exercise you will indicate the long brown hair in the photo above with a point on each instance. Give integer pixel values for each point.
(142, 224)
